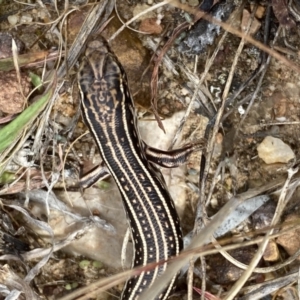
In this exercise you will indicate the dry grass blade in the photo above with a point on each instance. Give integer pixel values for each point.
(11, 279)
(240, 34)
(96, 17)
(204, 236)
(64, 163)
(227, 244)
(12, 131)
(17, 67)
(262, 76)
(98, 287)
(238, 285)
(154, 77)
(7, 64)
(258, 291)
(139, 15)
(255, 43)
(198, 81)
(207, 88)
(201, 203)
(235, 60)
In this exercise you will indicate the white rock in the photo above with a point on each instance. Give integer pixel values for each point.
(273, 150)
(26, 18)
(13, 19)
(139, 8)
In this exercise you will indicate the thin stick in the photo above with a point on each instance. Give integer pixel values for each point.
(153, 7)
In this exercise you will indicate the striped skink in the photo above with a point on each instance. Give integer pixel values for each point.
(109, 113)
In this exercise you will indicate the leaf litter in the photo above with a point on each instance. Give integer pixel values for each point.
(232, 94)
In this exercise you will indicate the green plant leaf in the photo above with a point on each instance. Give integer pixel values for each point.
(12, 131)
(35, 79)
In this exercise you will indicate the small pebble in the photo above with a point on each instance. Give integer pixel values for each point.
(84, 264)
(6, 44)
(13, 19)
(26, 18)
(245, 20)
(218, 145)
(260, 11)
(150, 26)
(272, 150)
(280, 105)
(271, 253)
(193, 2)
(140, 8)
